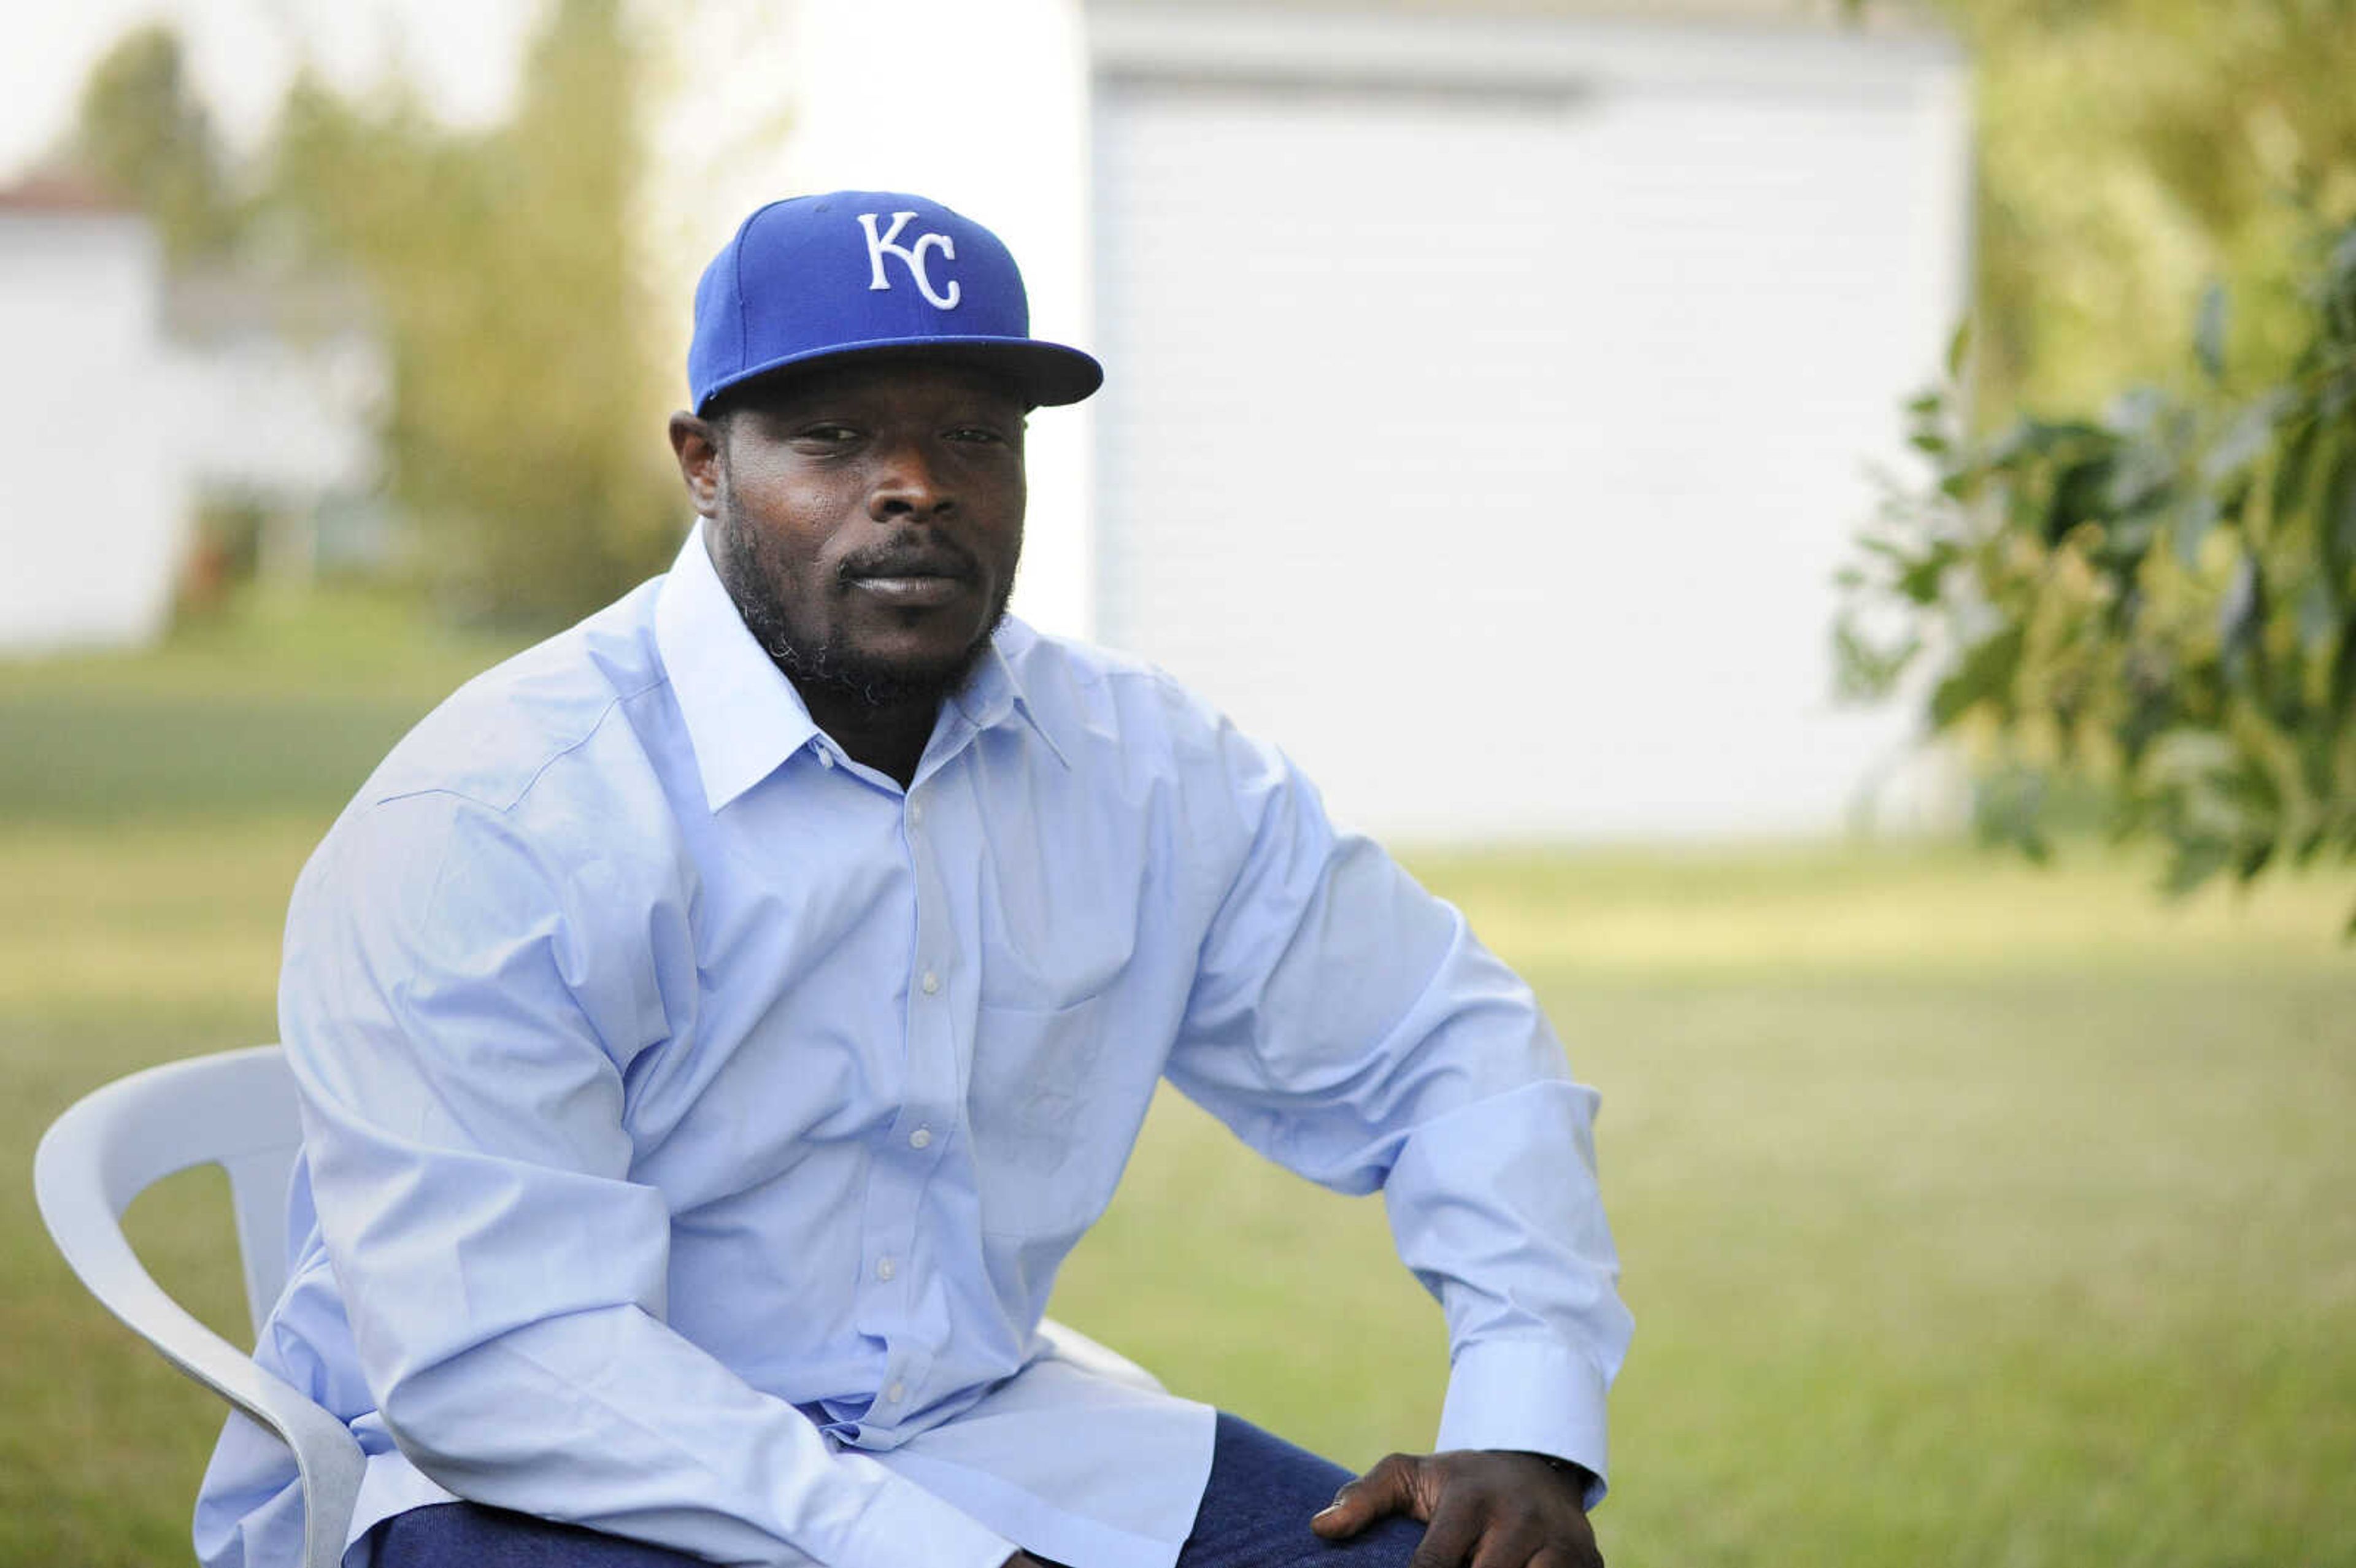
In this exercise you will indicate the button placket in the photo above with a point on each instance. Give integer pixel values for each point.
(893, 1230)
(935, 1008)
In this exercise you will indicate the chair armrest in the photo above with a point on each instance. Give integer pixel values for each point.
(89, 1236)
(1070, 1344)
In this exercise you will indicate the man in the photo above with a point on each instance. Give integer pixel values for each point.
(716, 1025)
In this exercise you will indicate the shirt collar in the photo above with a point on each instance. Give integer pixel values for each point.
(994, 693)
(744, 717)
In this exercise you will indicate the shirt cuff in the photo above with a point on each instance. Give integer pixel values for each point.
(1530, 1395)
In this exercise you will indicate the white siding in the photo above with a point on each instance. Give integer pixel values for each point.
(1490, 449)
(281, 419)
(91, 493)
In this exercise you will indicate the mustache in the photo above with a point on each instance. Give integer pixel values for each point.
(940, 558)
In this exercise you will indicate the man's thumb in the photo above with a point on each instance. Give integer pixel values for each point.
(1381, 1491)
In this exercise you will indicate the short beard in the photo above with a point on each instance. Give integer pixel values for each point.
(817, 663)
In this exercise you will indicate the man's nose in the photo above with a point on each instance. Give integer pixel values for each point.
(910, 484)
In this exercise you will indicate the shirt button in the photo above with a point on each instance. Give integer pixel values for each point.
(916, 812)
(896, 1393)
(885, 1269)
(932, 982)
(921, 1138)
(825, 758)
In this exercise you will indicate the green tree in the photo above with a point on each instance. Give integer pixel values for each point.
(2159, 601)
(141, 131)
(524, 438)
(2131, 556)
(2128, 151)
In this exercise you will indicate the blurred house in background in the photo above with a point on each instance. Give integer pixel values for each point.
(91, 526)
(285, 381)
(1490, 392)
(130, 402)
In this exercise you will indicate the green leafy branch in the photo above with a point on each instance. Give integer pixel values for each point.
(2159, 601)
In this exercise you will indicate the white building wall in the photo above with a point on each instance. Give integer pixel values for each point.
(93, 498)
(284, 420)
(1492, 402)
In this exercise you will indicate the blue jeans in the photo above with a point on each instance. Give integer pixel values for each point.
(1256, 1504)
(1255, 1514)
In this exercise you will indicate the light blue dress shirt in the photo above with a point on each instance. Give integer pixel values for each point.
(695, 1120)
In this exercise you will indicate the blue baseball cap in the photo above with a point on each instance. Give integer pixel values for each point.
(817, 277)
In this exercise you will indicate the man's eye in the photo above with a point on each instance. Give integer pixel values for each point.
(827, 434)
(978, 433)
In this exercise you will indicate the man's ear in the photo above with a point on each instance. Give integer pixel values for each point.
(696, 443)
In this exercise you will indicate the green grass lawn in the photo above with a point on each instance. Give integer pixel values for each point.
(1971, 1214)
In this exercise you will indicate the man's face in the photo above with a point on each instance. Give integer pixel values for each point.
(866, 518)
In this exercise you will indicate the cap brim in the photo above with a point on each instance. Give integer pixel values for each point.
(1048, 375)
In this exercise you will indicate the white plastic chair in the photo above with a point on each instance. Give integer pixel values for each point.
(237, 1110)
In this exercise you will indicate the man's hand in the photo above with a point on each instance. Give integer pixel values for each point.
(1488, 1510)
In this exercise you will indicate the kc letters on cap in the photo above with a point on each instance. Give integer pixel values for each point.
(820, 277)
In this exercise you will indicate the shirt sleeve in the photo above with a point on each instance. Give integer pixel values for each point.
(1346, 1024)
(504, 1274)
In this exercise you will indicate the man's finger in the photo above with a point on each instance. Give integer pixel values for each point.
(1448, 1541)
(1583, 1553)
(1387, 1488)
(1516, 1545)
(1587, 1556)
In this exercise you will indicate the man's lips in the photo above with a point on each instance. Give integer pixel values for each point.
(914, 592)
(911, 581)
